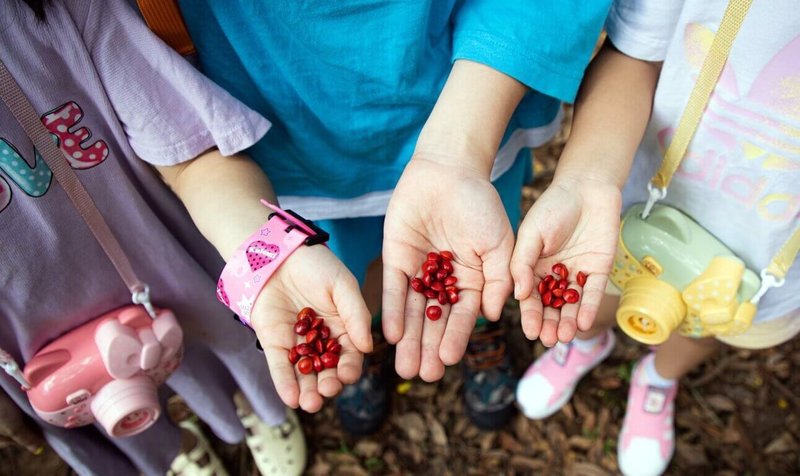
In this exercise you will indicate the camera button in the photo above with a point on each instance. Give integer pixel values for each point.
(78, 397)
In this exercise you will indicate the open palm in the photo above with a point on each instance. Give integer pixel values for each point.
(312, 277)
(575, 222)
(438, 207)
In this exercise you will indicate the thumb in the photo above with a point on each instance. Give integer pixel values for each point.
(497, 279)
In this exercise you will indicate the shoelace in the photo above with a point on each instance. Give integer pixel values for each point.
(486, 349)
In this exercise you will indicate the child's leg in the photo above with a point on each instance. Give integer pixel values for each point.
(549, 383)
(679, 354)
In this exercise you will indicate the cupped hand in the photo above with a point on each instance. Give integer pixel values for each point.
(439, 206)
(575, 222)
(312, 277)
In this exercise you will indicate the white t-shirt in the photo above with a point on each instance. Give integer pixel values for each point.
(740, 178)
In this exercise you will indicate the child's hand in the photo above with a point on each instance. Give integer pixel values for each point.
(312, 277)
(437, 207)
(575, 222)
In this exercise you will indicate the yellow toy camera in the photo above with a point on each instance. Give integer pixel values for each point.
(675, 274)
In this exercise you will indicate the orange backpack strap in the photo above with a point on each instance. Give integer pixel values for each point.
(164, 18)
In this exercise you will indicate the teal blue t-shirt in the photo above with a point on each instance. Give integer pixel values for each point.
(348, 84)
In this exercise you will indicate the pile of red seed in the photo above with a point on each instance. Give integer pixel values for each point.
(437, 282)
(320, 351)
(554, 288)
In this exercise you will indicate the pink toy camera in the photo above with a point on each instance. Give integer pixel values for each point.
(107, 369)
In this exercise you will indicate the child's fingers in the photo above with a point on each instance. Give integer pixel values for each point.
(353, 312)
(567, 326)
(497, 279)
(350, 361)
(275, 342)
(460, 324)
(310, 399)
(526, 254)
(431, 367)
(395, 291)
(407, 352)
(328, 383)
(549, 334)
(531, 316)
(591, 296)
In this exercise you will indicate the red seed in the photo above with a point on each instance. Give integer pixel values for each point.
(441, 274)
(302, 326)
(558, 292)
(442, 298)
(563, 283)
(312, 336)
(324, 332)
(446, 255)
(305, 365)
(433, 256)
(430, 267)
(552, 284)
(433, 313)
(547, 298)
(316, 322)
(293, 355)
(452, 298)
(329, 360)
(306, 312)
(430, 294)
(542, 287)
(417, 285)
(561, 270)
(318, 347)
(333, 346)
(450, 280)
(581, 278)
(427, 279)
(304, 349)
(318, 367)
(557, 303)
(451, 289)
(447, 266)
(437, 286)
(571, 296)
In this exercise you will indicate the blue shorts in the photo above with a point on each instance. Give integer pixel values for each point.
(358, 241)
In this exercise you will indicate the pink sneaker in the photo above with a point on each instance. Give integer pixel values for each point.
(647, 438)
(549, 383)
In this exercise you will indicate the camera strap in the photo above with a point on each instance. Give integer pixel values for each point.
(775, 273)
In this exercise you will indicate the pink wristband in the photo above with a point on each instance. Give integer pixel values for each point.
(257, 259)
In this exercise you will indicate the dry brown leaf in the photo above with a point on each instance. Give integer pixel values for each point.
(352, 470)
(586, 469)
(721, 403)
(781, 444)
(524, 463)
(487, 441)
(580, 442)
(367, 448)
(341, 459)
(438, 435)
(413, 425)
(509, 443)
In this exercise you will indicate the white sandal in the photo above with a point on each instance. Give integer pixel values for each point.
(277, 450)
(200, 460)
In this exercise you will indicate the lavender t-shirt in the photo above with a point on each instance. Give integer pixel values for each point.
(115, 97)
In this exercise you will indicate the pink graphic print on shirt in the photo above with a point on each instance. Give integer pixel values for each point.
(74, 143)
(760, 126)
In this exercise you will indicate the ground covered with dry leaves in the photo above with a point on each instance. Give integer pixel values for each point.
(737, 414)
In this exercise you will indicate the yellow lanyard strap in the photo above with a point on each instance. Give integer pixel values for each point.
(709, 74)
(785, 256)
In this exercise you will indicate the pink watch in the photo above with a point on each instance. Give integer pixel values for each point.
(257, 259)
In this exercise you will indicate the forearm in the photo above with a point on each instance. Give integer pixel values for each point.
(470, 117)
(222, 196)
(611, 114)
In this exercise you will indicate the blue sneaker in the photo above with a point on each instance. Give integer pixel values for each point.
(362, 407)
(489, 381)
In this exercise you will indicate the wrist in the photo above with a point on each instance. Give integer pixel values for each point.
(258, 257)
